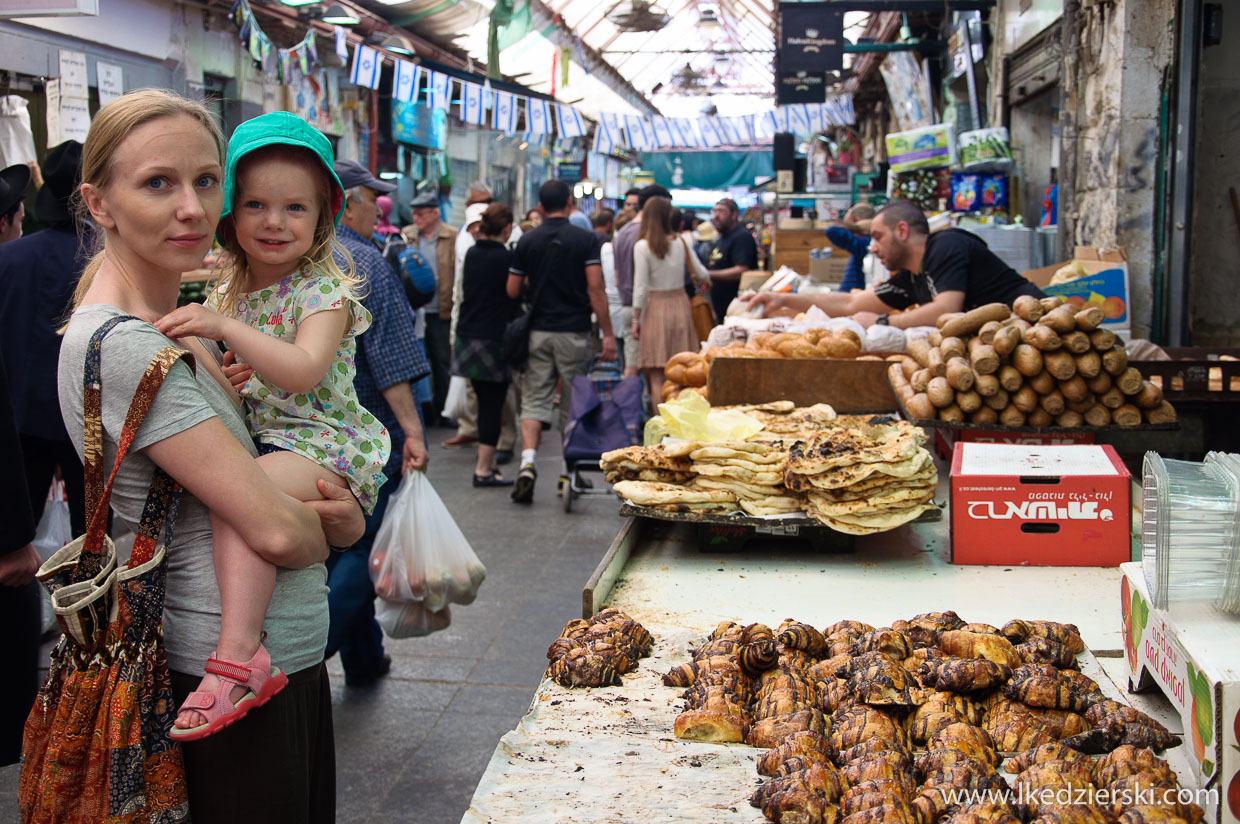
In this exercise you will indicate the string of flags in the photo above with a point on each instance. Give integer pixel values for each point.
(536, 117)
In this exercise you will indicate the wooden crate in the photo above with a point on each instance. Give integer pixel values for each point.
(790, 247)
(848, 385)
(1195, 374)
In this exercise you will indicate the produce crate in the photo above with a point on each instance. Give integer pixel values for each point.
(1195, 374)
(850, 386)
(790, 247)
(1190, 654)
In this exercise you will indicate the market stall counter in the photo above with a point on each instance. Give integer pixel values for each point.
(610, 754)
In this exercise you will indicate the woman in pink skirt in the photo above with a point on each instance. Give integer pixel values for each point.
(662, 317)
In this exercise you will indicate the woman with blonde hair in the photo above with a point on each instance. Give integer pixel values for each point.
(662, 315)
(151, 182)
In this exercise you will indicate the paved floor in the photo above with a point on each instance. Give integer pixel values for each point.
(412, 748)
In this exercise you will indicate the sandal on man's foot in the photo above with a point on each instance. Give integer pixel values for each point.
(258, 674)
(494, 479)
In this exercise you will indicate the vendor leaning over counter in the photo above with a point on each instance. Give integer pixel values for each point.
(949, 271)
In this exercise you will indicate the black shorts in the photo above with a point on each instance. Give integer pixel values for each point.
(277, 765)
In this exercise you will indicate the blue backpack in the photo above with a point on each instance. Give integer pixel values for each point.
(415, 273)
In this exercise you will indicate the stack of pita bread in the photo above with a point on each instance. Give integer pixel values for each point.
(665, 464)
(752, 472)
(666, 497)
(864, 479)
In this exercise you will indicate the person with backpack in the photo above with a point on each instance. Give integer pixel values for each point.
(557, 266)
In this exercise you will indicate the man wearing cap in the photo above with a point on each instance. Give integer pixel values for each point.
(733, 254)
(437, 242)
(38, 274)
(623, 245)
(389, 360)
(14, 181)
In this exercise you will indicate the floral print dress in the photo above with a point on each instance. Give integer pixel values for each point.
(326, 424)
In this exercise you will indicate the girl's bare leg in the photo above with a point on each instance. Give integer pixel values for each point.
(246, 581)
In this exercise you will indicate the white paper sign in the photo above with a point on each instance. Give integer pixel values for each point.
(111, 81)
(52, 88)
(72, 74)
(1035, 460)
(74, 119)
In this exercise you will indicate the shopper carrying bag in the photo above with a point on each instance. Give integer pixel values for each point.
(97, 745)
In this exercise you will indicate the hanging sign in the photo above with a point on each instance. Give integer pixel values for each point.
(800, 87)
(811, 38)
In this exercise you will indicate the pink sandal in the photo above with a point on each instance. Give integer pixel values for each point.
(263, 679)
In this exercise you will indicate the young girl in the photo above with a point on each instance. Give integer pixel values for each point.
(287, 310)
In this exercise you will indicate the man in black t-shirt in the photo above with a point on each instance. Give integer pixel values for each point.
(950, 271)
(733, 254)
(561, 265)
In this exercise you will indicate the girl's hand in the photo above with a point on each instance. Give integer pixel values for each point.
(192, 320)
(238, 374)
(637, 330)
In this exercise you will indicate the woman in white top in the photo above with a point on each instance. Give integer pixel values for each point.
(662, 317)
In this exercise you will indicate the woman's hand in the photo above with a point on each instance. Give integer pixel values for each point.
(193, 320)
(340, 514)
(18, 567)
(636, 329)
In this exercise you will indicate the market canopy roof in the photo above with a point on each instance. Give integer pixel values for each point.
(682, 58)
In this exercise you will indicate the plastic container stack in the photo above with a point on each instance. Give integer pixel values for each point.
(1190, 530)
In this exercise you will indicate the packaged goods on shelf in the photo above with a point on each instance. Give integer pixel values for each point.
(927, 147)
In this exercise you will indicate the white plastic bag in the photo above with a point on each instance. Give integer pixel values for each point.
(419, 553)
(455, 404)
(410, 619)
(55, 529)
(880, 338)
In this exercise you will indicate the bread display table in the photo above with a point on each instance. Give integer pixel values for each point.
(609, 754)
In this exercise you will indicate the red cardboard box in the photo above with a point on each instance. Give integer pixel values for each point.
(945, 440)
(1039, 505)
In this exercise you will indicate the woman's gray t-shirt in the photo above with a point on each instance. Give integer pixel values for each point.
(296, 620)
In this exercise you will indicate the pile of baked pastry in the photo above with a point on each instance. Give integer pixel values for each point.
(856, 474)
(598, 651)
(688, 370)
(894, 725)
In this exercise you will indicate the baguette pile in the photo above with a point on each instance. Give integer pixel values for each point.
(882, 726)
(687, 370)
(1041, 363)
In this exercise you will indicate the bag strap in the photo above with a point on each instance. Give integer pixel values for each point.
(555, 245)
(163, 498)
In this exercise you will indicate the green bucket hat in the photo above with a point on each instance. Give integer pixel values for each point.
(284, 129)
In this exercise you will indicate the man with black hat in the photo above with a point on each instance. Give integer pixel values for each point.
(437, 242)
(623, 244)
(14, 181)
(38, 274)
(389, 360)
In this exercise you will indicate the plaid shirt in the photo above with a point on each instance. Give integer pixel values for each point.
(388, 353)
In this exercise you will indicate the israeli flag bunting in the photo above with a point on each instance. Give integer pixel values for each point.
(604, 143)
(710, 132)
(641, 136)
(472, 110)
(571, 124)
(798, 119)
(366, 65)
(686, 133)
(779, 119)
(845, 102)
(537, 116)
(504, 114)
(750, 124)
(439, 90)
(405, 85)
(662, 132)
(818, 119)
(831, 112)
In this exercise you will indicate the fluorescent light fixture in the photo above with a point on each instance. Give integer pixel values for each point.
(298, 2)
(336, 15)
(398, 44)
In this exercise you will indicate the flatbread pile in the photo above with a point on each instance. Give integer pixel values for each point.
(752, 472)
(675, 498)
(667, 464)
(864, 479)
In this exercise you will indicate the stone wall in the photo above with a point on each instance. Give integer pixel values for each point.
(1125, 47)
(1214, 300)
